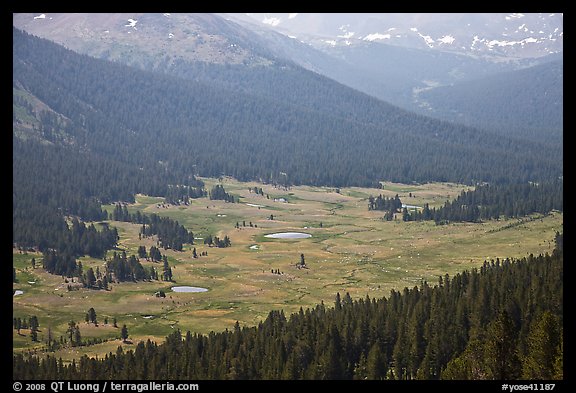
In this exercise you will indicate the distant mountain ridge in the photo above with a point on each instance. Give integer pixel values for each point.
(195, 45)
(493, 35)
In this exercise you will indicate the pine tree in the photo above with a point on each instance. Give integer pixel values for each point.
(500, 348)
(92, 316)
(376, 363)
(543, 348)
(124, 333)
(90, 278)
(302, 261)
(167, 274)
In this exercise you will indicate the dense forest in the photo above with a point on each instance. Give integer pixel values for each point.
(501, 321)
(150, 119)
(506, 103)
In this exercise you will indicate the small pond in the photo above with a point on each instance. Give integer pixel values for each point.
(255, 205)
(289, 235)
(188, 289)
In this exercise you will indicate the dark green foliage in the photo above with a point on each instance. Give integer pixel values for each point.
(382, 203)
(124, 333)
(488, 202)
(155, 254)
(544, 348)
(498, 321)
(151, 132)
(53, 181)
(218, 192)
(302, 264)
(142, 252)
(90, 278)
(74, 336)
(506, 103)
(222, 243)
(170, 233)
(60, 263)
(122, 268)
(92, 316)
(167, 272)
(181, 194)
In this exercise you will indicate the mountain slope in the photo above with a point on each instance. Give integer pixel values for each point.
(238, 53)
(314, 130)
(527, 103)
(386, 56)
(149, 40)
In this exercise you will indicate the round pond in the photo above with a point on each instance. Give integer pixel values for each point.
(188, 289)
(289, 235)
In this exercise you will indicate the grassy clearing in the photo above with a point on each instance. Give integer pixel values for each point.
(351, 250)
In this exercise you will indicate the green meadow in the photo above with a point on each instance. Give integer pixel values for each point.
(351, 250)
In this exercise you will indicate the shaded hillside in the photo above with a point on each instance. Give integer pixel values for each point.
(527, 103)
(308, 127)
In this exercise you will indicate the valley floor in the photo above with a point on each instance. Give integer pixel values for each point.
(351, 250)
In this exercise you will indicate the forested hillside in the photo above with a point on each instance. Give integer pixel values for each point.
(527, 103)
(503, 321)
(146, 119)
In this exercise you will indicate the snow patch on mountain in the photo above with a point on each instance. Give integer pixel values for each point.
(427, 39)
(347, 35)
(376, 36)
(132, 23)
(447, 39)
(271, 21)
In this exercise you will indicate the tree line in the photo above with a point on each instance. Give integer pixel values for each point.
(73, 336)
(503, 320)
(170, 233)
(218, 192)
(492, 201)
(485, 202)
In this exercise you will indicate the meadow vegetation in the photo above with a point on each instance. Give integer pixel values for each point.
(352, 250)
